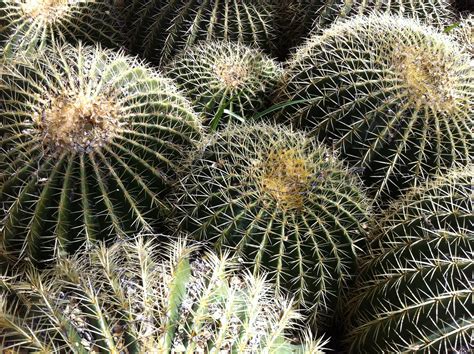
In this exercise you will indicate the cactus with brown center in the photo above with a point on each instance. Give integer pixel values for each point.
(91, 141)
(393, 95)
(284, 204)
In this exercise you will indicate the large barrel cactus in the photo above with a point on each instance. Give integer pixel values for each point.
(218, 75)
(91, 140)
(297, 18)
(131, 299)
(284, 204)
(394, 96)
(433, 12)
(416, 290)
(26, 24)
(161, 28)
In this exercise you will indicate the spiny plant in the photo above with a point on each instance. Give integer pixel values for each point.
(396, 97)
(31, 24)
(297, 18)
(160, 29)
(130, 299)
(416, 290)
(219, 75)
(91, 140)
(284, 204)
(435, 12)
(463, 31)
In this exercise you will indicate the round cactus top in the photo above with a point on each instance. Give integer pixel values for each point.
(47, 10)
(285, 176)
(77, 120)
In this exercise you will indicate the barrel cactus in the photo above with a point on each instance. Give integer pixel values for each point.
(284, 205)
(132, 299)
(396, 97)
(91, 141)
(416, 290)
(161, 28)
(297, 18)
(26, 24)
(225, 74)
(437, 12)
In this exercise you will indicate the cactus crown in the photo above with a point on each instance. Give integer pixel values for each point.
(47, 10)
(285, 176)
(78, 121)
(429, 79)
(134, 297)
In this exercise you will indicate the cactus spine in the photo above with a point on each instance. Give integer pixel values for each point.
(225, 74)
(396, 97)
(415, 291)
(130, 298)
(284, 204)
(91, 141)
(29, 24)
(162, 28)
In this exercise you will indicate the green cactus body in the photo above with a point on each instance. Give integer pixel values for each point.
(91, 141)
(297, 18)
(132, 299)
(31, 24)
(225, 74)
(416, 290)
(285, 205)
(437, 13)
(162, 28)
(394, 96)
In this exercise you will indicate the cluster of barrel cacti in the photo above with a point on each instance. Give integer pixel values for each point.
(236, 176)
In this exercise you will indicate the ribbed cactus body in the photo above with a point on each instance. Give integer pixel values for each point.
(436, 13)
(159, 28)
(284, 204)
(29, 24)
(91, 140)
(225, 74)
(297, 18)
(394, 96)
(137, 298)
(416, 290)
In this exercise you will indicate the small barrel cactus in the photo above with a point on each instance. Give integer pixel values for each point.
(91, 141)
(395, 96)
(416, 290)
(26, 24)
(284, 204)
(161, 28)
(225, 74)
(131, 299)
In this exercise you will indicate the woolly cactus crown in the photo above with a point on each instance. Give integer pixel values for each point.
(137, 298)
(393, 95)
(92, 140)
